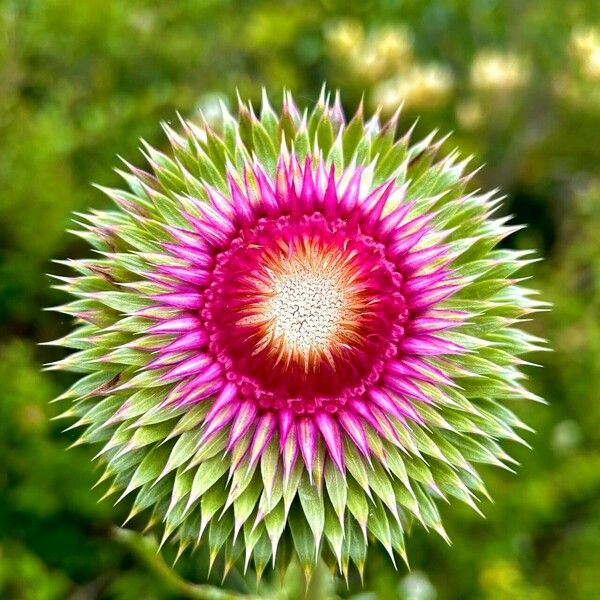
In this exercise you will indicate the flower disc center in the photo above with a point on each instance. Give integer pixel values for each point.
(305, 309)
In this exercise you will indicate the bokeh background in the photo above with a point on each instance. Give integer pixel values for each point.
(519, 85)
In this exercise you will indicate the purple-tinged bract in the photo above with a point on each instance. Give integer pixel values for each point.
(297, 334)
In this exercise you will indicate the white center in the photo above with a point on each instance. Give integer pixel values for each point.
(306, 309)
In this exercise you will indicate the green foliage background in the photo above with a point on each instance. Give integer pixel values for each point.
(518, 83)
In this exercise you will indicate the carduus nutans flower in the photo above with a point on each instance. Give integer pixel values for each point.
(297, 335)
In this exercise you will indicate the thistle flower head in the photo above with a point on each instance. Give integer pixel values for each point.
(297, 335)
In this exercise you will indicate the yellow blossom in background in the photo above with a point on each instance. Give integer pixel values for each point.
(585, 48)
(469, 114)
(345, 38)
(392, 45)
(578, 86)
(389, 49)
(422, 86)
(384, 51)
(495, 71)
(576, 92)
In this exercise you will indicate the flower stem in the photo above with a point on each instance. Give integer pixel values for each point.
(145, 550)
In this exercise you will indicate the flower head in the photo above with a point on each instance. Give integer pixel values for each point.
(296, 336)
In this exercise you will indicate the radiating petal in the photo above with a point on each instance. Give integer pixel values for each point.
(244, 419)
(333, 439)
(188, 341)
(307, 433)
(199, 363)
(265, 428)
(186, 300)
(353, 427)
